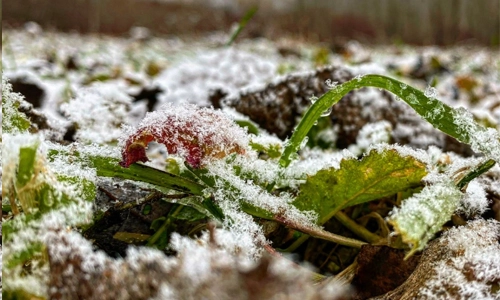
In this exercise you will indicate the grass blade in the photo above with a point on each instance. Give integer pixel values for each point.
(457, 123)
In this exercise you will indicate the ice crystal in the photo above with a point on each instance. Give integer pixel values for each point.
(430, 92)
(474, 202)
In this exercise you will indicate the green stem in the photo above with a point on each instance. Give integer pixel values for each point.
(320, 234)
(474, 173)
(152, 240)
(357, 229)
(440, 115)
(242, 24)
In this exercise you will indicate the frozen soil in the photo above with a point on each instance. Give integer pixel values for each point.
(85, 90)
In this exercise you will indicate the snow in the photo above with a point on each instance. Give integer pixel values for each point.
(485, 141)
(188, 72)
(423, 214)
(472, 264)
(199, 135)
(475, 202)
(371, 134)
(228, 69)
(99, 113)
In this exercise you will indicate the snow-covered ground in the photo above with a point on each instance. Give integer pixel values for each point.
(94, 86)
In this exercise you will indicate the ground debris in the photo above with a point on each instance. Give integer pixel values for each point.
(462, 264)
(201, 270)
(381, 269)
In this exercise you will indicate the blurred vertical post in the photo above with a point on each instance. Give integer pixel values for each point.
(95, 15)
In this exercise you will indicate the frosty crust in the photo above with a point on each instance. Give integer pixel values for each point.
(198, 135)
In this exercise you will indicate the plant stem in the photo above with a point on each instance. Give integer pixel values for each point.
(474, 173)
(357, 229)
(152, 240)
(243, 22)
(320, 234)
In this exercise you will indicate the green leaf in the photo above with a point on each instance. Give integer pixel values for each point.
(457, 123)
(425, 213)
(377, 175)
(109, 167)
(272, 150)
(26, 166)
(189, 214)
(13, 120)
(242, 24)
(251, 126)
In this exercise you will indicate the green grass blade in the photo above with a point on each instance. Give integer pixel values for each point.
(474, 173)
(457, 123)
(242, 24)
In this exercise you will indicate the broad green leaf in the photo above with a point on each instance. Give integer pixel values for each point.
(425, 213)
(377, 175)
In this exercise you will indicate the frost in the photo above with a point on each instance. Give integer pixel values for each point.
(198, 135)
(13, 121)
(99, 113)
(243, 191)
(471, 264)
(421, 216)
(202, 269)
(371, 134)
(331, 84)
(430, 92)
(483, 140)
(475, 202)
(230, 69)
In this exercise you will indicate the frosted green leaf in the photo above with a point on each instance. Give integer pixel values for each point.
(13, 121)
(458, 123)
(377, 175)
(424, 214)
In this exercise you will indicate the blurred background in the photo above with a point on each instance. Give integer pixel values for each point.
(417, 22)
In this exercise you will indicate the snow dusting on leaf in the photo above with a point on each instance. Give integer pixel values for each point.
(482, 140)
(423, 215)
(199, 135)
(377, 175)
(13, 120)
